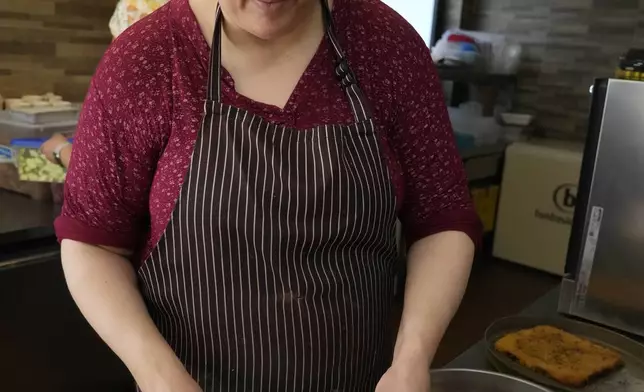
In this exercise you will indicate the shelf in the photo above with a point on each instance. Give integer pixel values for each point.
(472, 76)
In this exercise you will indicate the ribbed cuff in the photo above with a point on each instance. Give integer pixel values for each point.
(70, 229)
(465, 221)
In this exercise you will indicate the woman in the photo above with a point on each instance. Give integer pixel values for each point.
(57, 149)
(246, 242)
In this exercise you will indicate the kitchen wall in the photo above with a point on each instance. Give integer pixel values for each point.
(51, 45)
(567, 43)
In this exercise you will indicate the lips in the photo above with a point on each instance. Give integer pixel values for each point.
(270, 5)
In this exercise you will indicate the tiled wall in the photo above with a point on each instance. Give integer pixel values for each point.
(567, 43)
(453, 11)
(51, 45)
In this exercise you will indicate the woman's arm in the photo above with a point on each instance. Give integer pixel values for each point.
(104, 285)
(438, 269)
(437, 214)
(116, 151)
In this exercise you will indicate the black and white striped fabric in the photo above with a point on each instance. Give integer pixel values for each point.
(275, 272)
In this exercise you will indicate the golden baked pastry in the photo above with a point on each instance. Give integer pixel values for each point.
(566, 358)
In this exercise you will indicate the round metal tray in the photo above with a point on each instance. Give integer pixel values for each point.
(467, 380)
(628, 379)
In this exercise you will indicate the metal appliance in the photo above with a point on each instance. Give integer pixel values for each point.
(604, 274)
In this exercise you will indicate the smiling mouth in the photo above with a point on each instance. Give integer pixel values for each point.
(270, 2)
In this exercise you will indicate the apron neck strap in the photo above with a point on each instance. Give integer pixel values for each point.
(343, 71)
(214, 73)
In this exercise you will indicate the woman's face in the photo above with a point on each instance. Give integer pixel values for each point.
(267, 19)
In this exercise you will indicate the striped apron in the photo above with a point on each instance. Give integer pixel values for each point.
(275, 272)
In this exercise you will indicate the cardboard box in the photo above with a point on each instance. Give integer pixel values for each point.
(536, 206)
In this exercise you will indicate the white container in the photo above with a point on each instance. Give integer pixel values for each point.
(467, 120)
(64, 112)
(11, 129)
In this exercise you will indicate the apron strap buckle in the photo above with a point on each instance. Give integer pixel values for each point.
(345, 73)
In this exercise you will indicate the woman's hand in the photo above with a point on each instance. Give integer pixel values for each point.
(405, 377)
(50, 146)
(57, 142)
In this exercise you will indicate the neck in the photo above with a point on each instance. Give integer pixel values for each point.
(309, 24)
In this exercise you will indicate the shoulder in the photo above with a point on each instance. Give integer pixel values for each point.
(390, 58)
(373, 25)
(139, 59)
(384, 49)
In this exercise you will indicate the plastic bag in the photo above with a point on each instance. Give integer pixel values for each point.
(497, 53)
(129, 12)
(456, 49)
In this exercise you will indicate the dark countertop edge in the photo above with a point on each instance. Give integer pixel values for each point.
(23, 259)
(28, 248)
(26, 235)
(24, 220)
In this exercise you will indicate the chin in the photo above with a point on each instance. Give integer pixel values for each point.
(269, 26)
(264, 20)
(266, 31)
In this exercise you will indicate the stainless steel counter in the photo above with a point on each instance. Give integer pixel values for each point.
(475, 356)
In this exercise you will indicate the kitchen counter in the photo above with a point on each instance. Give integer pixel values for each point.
(25, 220)
(475, 356)
(47, 345)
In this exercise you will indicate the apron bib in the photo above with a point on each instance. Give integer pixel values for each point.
(275, 272)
